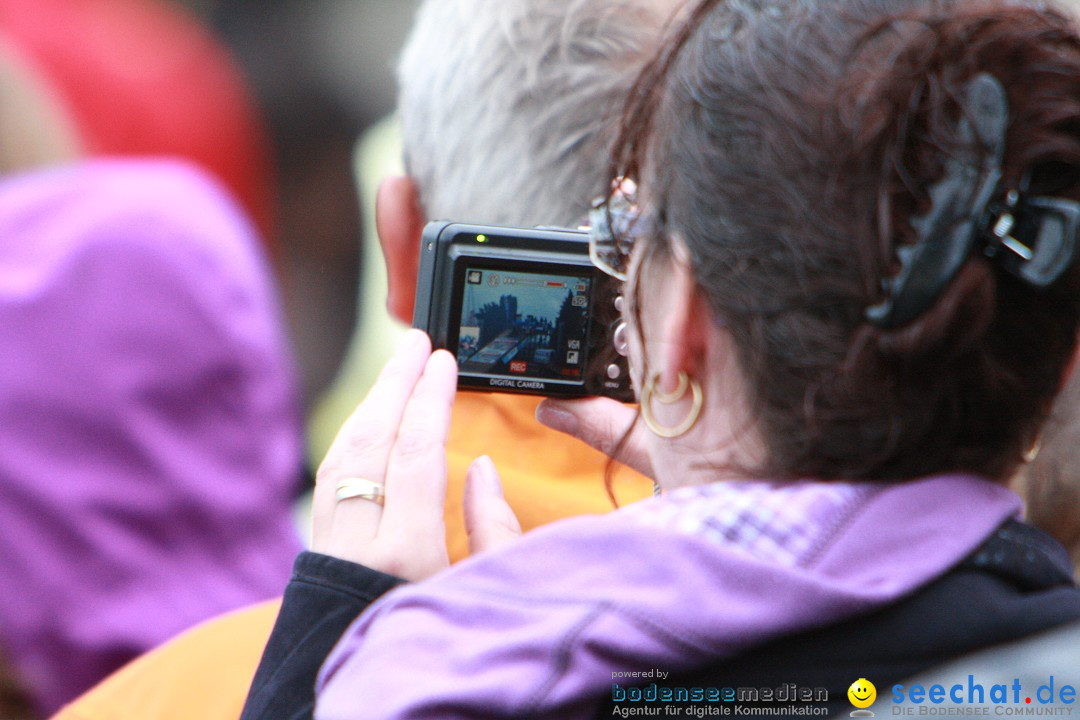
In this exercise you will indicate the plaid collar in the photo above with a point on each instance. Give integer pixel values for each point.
(781, 522)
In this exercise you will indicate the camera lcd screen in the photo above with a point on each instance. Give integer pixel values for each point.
(524, 325)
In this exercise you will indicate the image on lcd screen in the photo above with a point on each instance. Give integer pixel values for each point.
(523, 325)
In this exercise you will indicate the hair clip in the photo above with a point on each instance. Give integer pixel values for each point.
(1031, 237)
(1034, 238)
(946, 234)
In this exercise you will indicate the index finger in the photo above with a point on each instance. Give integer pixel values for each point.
(361, 449)
(416, 470)
(363, 443)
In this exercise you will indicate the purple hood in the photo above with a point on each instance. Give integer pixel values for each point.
(150, 437)
(538, 628)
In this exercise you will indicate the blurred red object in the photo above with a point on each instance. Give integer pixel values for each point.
(145, 77)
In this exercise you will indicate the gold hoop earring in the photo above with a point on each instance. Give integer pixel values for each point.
(650, 392)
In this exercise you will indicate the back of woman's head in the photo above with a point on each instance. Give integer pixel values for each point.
(797, 148)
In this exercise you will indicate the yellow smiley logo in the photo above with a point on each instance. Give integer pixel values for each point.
(862, 693)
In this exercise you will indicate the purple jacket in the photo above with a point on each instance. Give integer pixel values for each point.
(150, 436)
(540, 627)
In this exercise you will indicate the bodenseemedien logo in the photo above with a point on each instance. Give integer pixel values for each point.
(658, 698)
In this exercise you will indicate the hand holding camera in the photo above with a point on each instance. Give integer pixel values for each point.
(394, 448)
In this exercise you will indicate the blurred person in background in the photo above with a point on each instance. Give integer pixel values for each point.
(120, 548)
(515, 141)
(151, 445)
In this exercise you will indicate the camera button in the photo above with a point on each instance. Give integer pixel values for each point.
(613, 371)
(620, 303)
(618, 338)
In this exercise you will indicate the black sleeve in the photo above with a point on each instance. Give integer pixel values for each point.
(322, 599)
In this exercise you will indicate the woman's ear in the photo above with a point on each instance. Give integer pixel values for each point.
(399, 219)
(686, 324)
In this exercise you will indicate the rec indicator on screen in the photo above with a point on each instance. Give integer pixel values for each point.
(520, 324)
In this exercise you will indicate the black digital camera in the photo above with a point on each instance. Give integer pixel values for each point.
(523, 310)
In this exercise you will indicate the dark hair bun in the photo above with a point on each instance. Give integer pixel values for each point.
(794, 159)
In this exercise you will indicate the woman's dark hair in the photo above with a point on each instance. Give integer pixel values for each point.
(790, 144)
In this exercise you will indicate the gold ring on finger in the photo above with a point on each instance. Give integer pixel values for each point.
(358, 487)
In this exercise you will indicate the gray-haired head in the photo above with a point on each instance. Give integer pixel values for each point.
(508, 106)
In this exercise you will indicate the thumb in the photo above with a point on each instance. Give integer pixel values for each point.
(602, 423)
(489, 521)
